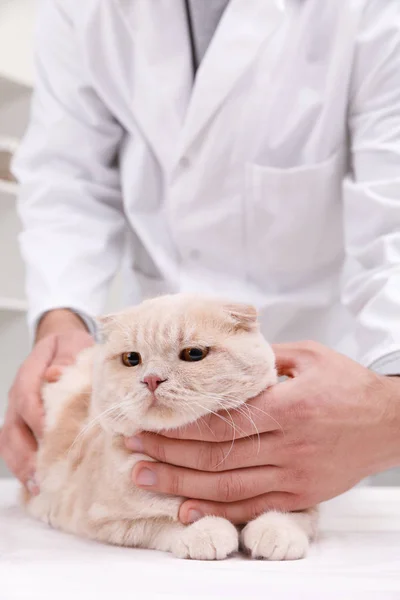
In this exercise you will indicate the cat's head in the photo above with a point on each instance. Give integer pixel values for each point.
(174, 359)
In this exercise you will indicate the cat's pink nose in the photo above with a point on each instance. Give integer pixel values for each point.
(153, 381)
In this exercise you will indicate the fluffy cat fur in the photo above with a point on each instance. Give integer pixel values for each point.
(83, 466)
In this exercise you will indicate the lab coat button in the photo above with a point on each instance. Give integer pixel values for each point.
(194, 254)
(184, 162)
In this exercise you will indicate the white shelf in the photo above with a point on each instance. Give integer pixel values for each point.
(8, 143)
(11, 265)
(8, 188)
(13, 304)
(15, 102)
(14, 347)
(17, 20)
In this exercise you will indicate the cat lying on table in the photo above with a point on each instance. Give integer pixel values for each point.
(161, 365)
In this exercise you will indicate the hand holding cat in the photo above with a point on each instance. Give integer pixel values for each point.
(60, 338)
(300, 442)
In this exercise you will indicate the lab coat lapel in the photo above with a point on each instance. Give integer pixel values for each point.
(163, 77)
(244, 26)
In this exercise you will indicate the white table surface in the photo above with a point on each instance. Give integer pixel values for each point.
(357, 555)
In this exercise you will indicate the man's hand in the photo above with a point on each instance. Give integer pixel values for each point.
(61, 336)
(301, 442)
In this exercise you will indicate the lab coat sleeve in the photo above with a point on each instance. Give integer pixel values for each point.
(372, 194)
(70, 200)
(387, 365)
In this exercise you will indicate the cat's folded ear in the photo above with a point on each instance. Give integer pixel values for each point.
(243, 316)
(105, 324)
(120, 321)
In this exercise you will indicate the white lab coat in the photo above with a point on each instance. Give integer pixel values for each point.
(274, 180)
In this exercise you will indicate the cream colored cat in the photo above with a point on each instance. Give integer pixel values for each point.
(208, 356)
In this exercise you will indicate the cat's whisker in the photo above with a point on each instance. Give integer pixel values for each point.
(198, 420)
(243, 434)
(234, 399)
(221, 402)
(234, 427)
(242, 409)
(230, 423)
(232, 443)
(188, 406)
(227, 454)
(93, 422)
(202, 419)
(251, 406)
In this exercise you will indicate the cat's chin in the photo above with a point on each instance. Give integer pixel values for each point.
(156, 418)
(162, 418)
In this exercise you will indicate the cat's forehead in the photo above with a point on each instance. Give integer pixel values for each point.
(165, 324)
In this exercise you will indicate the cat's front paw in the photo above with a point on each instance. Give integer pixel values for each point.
(275, 536)
(210, 538)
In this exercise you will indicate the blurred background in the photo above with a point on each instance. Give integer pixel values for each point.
(17, 21)
(16, 80)
(17, 18)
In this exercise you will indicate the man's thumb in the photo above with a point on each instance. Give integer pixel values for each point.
(53, 373)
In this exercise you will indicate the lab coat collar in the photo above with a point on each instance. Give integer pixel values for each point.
(163, 78)
(165, 105)
(244, 27)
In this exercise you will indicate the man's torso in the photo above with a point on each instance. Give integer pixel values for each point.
(233, 186)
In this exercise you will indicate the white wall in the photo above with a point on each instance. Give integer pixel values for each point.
(16, 31)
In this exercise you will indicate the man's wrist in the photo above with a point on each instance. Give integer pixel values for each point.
(60, 320)
(392, 418)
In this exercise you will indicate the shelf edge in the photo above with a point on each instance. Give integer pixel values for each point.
(8, 187)
(13, 305)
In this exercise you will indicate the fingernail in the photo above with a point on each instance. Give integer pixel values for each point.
(32, 486)
(194, 515)
(135, 444)
(146, 477)
(53, 374)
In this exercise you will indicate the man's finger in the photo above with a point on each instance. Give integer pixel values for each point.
(53, 373)
(37, 362)
(265, 413)
(242, 512)
(207, 456)
(27, 390)
(32, 412)
(18, 448)
(68, 347)
(229, 486)
(65, 354)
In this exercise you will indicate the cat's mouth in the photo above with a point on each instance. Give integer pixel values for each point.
(160, 405)
(152, 400)
(155, 399)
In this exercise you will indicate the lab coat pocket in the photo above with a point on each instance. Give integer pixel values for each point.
(293, 221)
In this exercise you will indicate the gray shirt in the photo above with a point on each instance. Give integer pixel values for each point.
(204, 17)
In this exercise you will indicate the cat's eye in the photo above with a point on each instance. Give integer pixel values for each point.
(193, 354)
(131, 359)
